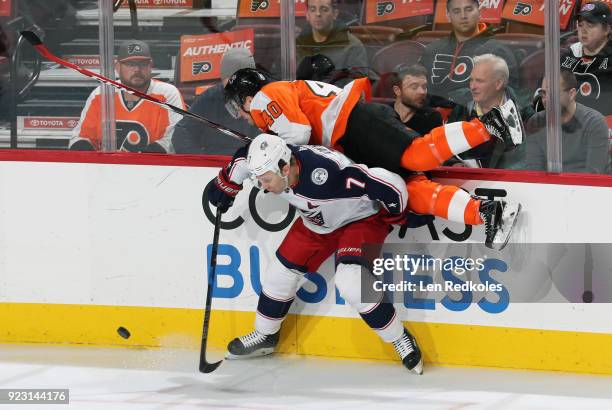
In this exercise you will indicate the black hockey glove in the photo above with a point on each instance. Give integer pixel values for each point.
(222, 191)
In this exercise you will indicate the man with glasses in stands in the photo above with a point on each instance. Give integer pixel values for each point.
(141, 126)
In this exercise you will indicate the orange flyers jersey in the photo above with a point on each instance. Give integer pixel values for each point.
(136, 127)
(307, 112)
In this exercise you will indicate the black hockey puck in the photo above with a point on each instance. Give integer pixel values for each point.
(123, 332)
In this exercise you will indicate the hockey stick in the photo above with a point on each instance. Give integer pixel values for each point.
(40, 47)
(206, 367)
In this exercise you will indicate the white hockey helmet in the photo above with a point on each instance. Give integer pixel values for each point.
(265, 151)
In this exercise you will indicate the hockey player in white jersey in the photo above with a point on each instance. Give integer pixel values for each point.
(342, 205)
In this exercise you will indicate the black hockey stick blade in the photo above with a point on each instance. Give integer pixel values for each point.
(209, 367)
(37, 43)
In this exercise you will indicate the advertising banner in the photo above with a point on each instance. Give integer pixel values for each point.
(385, 10)
(166, 4)
(5, 8)
(532, 11)
(267, 8)
(128, 243)
(490, 11)
(201, 54)
(151, 218)
(48, 123)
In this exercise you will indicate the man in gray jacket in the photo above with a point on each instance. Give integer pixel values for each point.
(450, 59)
(584, 133)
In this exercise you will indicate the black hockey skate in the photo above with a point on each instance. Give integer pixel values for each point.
(499, 218)
(252, 345)
(504, 123)
(408, 350)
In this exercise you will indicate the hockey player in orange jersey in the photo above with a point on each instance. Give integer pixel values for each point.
(311, 112)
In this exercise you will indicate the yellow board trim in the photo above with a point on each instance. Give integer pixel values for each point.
(444, 344)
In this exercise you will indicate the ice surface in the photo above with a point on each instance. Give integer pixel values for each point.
(130, 379)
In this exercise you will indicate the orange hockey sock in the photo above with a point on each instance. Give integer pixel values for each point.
(431, 150)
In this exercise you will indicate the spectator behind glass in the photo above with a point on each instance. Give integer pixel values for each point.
(324, 35)
(488, 89)
(410, 89)
(450, 60)
(4, 74)
(584, 133)
(194, 137)
(589, 58)
(141, 126)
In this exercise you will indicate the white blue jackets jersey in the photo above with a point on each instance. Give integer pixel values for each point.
(332, 191)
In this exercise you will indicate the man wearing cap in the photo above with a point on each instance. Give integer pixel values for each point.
(589, 57)
(193, 137)
(141, 126)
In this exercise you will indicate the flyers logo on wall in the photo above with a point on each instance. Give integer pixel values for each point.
(201, 54)
(490, 11)
(5, 7)
(522, 9)
(267, 8)
(385, 10)
(532, 11)
(168, 4)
